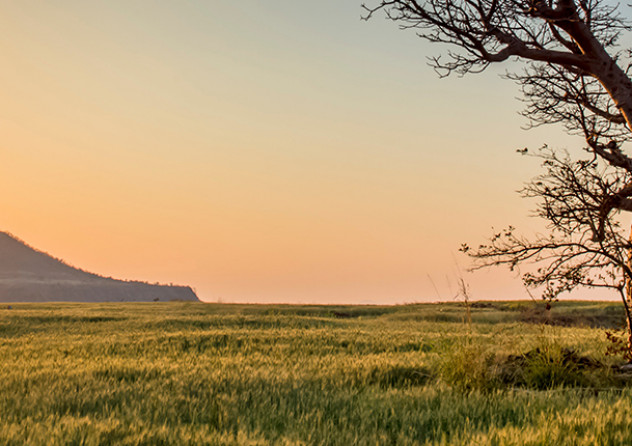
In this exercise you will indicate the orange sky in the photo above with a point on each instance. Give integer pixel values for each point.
(284, 153)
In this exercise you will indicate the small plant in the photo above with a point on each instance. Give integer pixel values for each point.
(466, 366)
(464, 292)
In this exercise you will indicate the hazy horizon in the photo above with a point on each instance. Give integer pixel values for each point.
(286, 153)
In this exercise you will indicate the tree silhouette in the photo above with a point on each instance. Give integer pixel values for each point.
(572, 72)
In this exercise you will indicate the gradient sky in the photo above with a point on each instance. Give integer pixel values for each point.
(275, 151)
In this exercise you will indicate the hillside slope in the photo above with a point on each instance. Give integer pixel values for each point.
(29, 275)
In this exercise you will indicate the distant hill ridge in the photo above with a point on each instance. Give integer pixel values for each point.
(30, 275)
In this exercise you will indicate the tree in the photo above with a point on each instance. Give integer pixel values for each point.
(583, 247)
(572, 72)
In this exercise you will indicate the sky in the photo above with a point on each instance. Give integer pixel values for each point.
(276, 151)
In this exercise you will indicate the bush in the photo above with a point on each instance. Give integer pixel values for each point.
(551, 365)
(468, 367)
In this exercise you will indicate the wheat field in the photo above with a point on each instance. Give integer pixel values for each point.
(192, 373)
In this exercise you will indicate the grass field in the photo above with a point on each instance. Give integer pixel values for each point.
(189, 373)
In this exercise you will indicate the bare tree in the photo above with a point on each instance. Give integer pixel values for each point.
(583, 247)
(572, 72)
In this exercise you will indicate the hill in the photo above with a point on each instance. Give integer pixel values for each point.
(29, 275)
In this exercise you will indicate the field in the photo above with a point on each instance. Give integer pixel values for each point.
(190, 373)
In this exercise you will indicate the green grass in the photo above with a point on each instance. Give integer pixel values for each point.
(188, 373)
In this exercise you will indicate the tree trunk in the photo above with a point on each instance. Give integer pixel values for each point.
(618, 85)
(627, 299)
(603, 67)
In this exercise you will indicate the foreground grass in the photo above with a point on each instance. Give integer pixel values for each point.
(186, 373)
